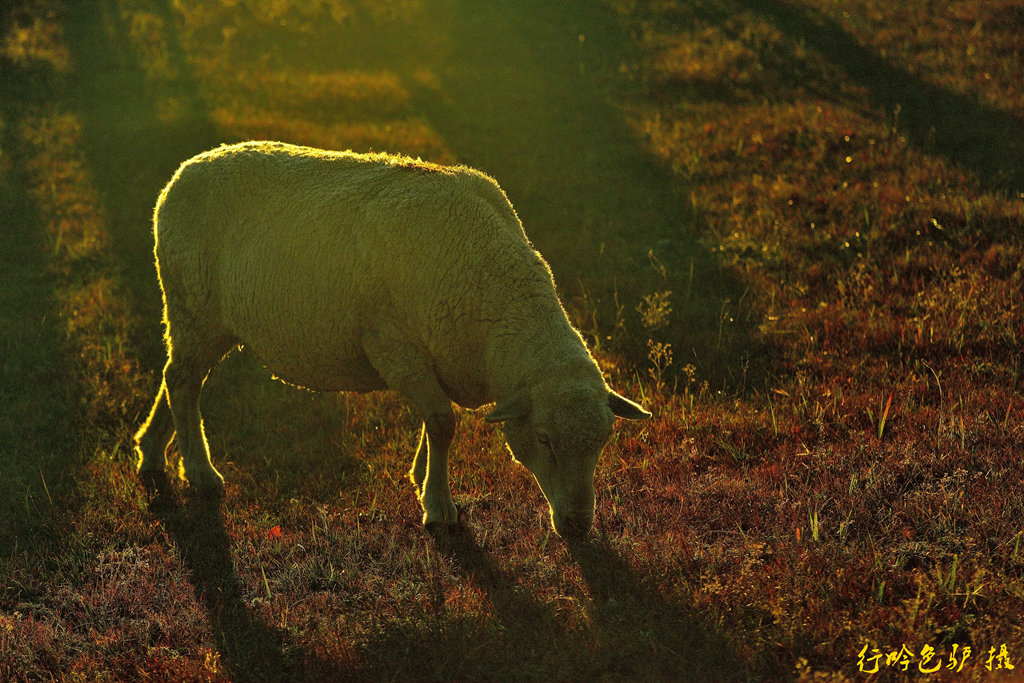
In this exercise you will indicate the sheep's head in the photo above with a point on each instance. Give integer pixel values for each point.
(557, 431)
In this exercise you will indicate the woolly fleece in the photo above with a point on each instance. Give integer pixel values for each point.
(351, 272)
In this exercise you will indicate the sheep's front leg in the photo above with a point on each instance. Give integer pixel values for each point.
(435, 492)
(418, 471)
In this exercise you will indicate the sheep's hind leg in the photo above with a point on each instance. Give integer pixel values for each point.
(153, 437)
(184, 376)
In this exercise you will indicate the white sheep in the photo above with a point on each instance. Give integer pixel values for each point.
(352, 272)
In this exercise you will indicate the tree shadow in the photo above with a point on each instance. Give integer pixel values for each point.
(987, 141)
(131, 145)
(528, 93)
(41, 427)
(132, 152)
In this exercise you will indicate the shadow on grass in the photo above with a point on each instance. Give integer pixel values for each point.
(251, 650)
(524, 92)
(132, 146)
(525, 642)
(652, 636)
(511, 636)
(528, 94)
(40, 424)
(131, 153)
(633, 633)
(987, 141)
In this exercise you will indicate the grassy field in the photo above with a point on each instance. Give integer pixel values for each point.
(793, 229)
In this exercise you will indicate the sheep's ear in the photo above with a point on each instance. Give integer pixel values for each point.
(508, 410)
(625, 408)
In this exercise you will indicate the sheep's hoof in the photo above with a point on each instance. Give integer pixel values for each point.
(443, 519)
(160, 490)
(207, 483)
(151, 459)
(154, 480)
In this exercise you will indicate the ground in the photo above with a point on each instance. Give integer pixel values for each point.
(791, 229)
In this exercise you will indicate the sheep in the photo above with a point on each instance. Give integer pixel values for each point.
(361, 272)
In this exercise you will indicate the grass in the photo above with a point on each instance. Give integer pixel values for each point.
(793, 229)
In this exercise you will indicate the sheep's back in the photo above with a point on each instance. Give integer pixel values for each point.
(303, 251)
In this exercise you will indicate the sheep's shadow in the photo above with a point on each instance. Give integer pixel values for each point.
(511, 636)
(251, 649)
(676, 643)
(634, 631)
(526, 620)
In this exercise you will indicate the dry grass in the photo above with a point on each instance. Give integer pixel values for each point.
(806, 259)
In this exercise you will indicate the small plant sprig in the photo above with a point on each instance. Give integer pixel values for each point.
(655, 309)
(660, 356)
(883, 419)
